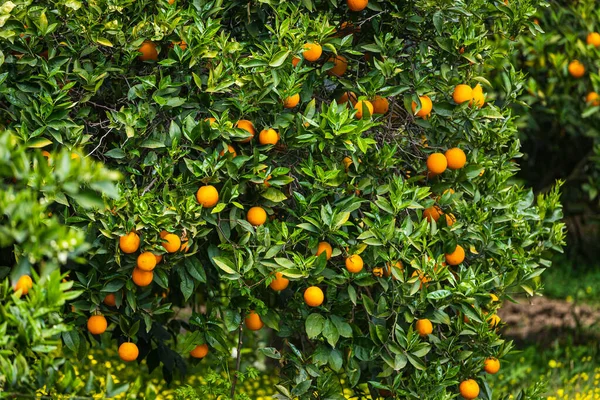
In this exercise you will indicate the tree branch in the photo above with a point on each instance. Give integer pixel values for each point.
(238, 361)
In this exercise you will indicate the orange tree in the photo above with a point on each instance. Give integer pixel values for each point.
(559, 107)
(331, 172)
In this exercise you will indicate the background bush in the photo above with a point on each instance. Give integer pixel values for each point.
(72, 80)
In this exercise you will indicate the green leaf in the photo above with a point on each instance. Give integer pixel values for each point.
(279, 58)
(331, 333)
(314, 325)
(274, 195)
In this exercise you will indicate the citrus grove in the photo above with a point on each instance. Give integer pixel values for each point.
(328, 184)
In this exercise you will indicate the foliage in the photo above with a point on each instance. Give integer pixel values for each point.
(583, 282)
(72, 77)
(559, 125)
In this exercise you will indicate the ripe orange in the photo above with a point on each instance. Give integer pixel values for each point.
(478, 96)
(347, 96)
(594, 39)
(268, 136)
(340, 65)
(388, 270)
(360, 108)
(142, 278)
(456, 158)
(291, 101)
(24, 284)
(210, 120)
(279, 283)
(148, 50)
(426, 107)
(324, 247)
(380, 105)
(128, 352)
(182, 44)
(456, 257)
(171, 1)
(354, 264)
(230, 149)
(313, 296)
(422, 277)
(199, 351)
(462, 93)
(593, 99)
(207, 196)
(312, 51)
(437, 163)
(146, 261)
(491, 365)
(158, 258)
(97, 324)
(450, 219)
(347, 161)
(576, 69)
(295, 61)
(110, 300)
(184, 246)
(256, 216)
(432, 213)
(253, 321)
(357, 5)
(248, 127)
(469, 389)
(424, 327)
(172, 243)
(129, 243)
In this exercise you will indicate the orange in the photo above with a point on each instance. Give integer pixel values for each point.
(593, 99)
(494, 297)
(142, 278)
(426, 107)
(199, 351)
(46, 154)
(432, 213)
(148, 50)
(172, 243)
(469, 389)
(97, 324)
(354, 264)
(256, 216)
(493, 320)
(163, 234)
(279, 283)
(230, 149)
(253, 321)
(312, 51)
(380, 105)
(491, 365)
(422, 277)
(210, 120)
(291, 101)
(129, 243)
(450, 219)
(478, 96)
(207, 196)
(24, 284)
(295, 61)
(388, 270)
(158, 258)
(340, 65)
(248, 127)
(347, 96)
(313, 296)
(456, 257)
(357, 5)
(182, 44)
(110, 300)
(576, 69)
(146, 261)
(424, 327)
(268, 136)
(360, 106)
(456, 158)
(184, 246)
(324, 247)
(171, 1)
(437, 163)
(128, 352)
(462, 93)
(594, 39)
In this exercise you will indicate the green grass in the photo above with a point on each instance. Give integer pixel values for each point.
(580, 283)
